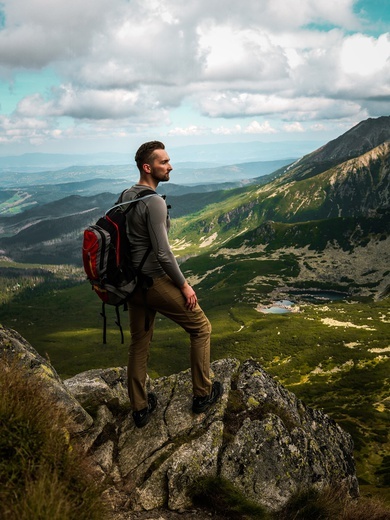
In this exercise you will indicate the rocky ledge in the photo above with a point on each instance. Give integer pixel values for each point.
(260, 437)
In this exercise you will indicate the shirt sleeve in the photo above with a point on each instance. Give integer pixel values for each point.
(157, 223)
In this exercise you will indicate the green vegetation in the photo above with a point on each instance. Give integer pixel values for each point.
(218, 496)
(333, 356)
(43, 474)
(331, 504)
(14, 202)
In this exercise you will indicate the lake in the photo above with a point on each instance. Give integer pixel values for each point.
(314, 296)
(302, 295)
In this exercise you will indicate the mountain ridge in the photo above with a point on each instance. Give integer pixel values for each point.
(302, 192)
(357, 141)
(184, 174)
(215, 154)
(356, 187)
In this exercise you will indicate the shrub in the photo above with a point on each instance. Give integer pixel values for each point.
(219, 496)
(331, 504)
(43, 475)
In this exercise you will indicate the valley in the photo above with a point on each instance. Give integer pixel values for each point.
(332, 355)
(319, 226)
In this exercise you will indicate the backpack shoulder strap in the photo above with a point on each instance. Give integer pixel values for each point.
(144, 194)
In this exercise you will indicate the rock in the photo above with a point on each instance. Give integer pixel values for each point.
(283, 446)
(259, 436)
(96, 387)
(178, 445)
(15, 349)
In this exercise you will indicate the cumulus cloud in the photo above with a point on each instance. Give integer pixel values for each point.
(133, 62)
(364, 55)
(187, 131)
(293, 127)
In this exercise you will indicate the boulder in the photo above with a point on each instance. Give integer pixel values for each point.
(100, 387)
(282, 446)
(16, 349)
(259, 436)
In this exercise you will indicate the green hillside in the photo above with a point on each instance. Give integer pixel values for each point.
(316, 235)
(357, 188)
(332, 355)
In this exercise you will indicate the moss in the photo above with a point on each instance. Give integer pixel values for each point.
(383, 471)
(272, 408)
(252, 402)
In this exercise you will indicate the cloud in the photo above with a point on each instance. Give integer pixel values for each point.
(130, 63)
(364, 56)
(16, 129)
(189, 130)
(256, 128)
(241, 56)
(36, 35)
(293, 127)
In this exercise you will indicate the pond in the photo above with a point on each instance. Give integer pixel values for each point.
(301, 295)
(317, 296)
(279, 307)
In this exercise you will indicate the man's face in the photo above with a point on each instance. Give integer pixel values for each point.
(160, 167)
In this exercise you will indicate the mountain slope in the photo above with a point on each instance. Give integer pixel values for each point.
(356, 188)
(329, 229)
(308, 190)
(52, 233)
(359, 140)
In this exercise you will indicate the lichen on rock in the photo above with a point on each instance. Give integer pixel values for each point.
(259, 436)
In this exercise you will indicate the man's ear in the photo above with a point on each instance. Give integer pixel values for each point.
(146, 168)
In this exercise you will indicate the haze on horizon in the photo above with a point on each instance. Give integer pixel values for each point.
(105, 75)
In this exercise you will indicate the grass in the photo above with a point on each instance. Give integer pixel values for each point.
(43, 474)
(331, 504)
(340, 369)
(219, 497)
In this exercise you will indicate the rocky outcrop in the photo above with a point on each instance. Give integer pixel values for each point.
(357, 141)
(15, 349)
(260, 437)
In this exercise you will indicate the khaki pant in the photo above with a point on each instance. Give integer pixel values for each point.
(164, 297)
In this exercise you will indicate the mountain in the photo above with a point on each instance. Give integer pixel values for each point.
(338, 194)
(360, 189)
(192, 156)
(17, 202)
(183, 173)
(31, 162)
(357, 141)
(308, 190)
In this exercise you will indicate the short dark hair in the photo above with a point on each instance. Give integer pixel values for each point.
(144, 153)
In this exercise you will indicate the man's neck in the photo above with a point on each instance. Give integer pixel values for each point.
(141, 182)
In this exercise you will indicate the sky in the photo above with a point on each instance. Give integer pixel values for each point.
(107, 75)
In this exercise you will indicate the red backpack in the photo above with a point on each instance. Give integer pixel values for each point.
(106, 257)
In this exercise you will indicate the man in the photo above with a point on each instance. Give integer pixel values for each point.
(169, 293)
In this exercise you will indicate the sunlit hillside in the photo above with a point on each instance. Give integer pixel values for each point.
(293, 272)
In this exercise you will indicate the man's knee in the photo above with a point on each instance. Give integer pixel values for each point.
(201, 329)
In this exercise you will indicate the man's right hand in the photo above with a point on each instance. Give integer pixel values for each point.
(189, 295)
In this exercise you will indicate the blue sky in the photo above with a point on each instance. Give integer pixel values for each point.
(105, 75)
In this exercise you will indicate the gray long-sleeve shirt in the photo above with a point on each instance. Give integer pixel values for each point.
(148, 224)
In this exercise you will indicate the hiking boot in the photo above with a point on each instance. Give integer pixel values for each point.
(201, 404)
(142, 417)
